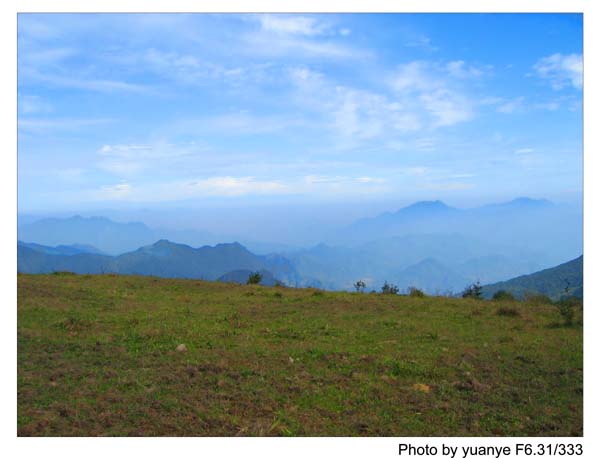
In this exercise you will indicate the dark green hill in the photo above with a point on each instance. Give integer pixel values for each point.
(551, 282)
(161, 259)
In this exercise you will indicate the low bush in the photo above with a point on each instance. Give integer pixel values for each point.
(507, 311)
(415, 292)
(537, 298)
(473, 291)
(254, 278)
(566, 307)
(360, 286)
(388, 288)
(503, 295)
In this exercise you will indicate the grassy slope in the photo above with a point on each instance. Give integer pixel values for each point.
(96, 356)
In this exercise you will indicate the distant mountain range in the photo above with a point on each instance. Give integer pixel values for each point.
(162, 259)
(563, 280)
(234, 263)
(108, 236)
(520, 223)
(433, 262)
(428, 244)
(66, 250)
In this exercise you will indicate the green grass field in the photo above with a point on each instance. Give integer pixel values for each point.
(97, 356)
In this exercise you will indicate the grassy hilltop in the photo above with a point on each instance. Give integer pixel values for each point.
(97, 356)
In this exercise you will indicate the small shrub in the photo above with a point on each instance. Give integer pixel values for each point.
(507, 311)
(63, 272)
(473, 291)
(503, 295)
(415, 292)
(567, 312)
(388, 288)
(360, 286)
(254, 278)
(566, 307)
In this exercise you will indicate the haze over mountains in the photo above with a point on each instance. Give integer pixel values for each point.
(428, 245)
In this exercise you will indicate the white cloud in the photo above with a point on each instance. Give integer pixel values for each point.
(447, 107)
(30, 27)
(31, 104)
(33, 58)
(458, 69)
(295, 35)
(448, 186)
(420, 96)
(550, 106)
(338, 180)
(45, 126)
(231, 186)
(292, 25)
(131, 159)
(369, 180)
(561, 70)
(86, 83)
(414, 76)
(418, 171)
(115, 192)
(524, 151)
(422, 42)
(434, 88)
(510, 106)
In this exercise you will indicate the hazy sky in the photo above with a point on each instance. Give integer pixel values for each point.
(145, 110)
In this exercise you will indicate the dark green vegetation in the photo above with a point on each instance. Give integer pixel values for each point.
(97, 356)
(563, 280)
(502, 295)
(473, 291)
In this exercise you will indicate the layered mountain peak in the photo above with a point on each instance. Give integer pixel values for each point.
(425, 207)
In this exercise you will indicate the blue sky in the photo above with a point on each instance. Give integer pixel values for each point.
(154, 110)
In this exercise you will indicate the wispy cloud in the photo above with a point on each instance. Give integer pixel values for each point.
(437, 90)
(238, 186)
(510, 106)
(292, 24)
(299, 36)
(90, 84)
(422, 42)
(459, 69)
(32, 104)
(561, 70)
(118, 191)
(524, 151)
(131, 159)
(45, 126)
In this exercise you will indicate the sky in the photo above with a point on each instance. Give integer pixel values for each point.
(161, 110)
